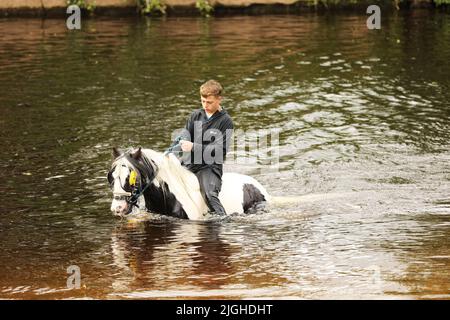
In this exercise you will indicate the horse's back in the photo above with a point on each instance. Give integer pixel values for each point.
(241, 192)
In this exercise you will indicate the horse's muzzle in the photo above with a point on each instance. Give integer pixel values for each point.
(120, 208)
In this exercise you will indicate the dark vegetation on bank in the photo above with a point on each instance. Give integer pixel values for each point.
(204, 8)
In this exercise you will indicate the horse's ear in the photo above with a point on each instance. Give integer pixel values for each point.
(137, 154)
(116, 153)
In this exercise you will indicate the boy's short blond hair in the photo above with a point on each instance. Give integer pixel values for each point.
(211, 88)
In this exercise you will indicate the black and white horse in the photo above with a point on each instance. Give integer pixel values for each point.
(144, 179)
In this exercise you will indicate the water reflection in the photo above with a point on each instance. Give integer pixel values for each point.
(170, 256)
(426, 256)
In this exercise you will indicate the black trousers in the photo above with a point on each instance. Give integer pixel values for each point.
(210, 185)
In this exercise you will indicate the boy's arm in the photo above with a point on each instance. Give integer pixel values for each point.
(227, 137)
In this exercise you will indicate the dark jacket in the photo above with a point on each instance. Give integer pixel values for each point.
(211, 138)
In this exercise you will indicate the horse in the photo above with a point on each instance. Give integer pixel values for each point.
(148, 180)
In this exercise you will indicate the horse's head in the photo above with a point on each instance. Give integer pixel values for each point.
(131, 173)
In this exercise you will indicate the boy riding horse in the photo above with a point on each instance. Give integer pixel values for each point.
(205, 141)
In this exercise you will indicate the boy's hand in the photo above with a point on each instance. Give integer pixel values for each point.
(186, 146)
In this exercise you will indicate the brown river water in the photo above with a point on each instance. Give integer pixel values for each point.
(364, 125)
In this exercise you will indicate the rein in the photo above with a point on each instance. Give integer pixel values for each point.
(144, 171)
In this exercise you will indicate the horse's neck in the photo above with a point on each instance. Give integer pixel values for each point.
(155, 198)
(181, 182)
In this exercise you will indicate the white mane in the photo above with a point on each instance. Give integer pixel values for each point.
(181, 182)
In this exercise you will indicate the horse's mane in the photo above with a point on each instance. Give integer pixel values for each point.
(181, 182)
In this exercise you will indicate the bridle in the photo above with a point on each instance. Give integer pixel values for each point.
(147, 171)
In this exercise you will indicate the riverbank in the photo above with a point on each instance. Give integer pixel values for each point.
(57, 8)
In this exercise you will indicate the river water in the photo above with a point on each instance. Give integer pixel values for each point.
(364, 125)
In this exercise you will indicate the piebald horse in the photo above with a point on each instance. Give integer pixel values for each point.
(144, 179)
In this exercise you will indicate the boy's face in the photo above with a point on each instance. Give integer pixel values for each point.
(211, 103)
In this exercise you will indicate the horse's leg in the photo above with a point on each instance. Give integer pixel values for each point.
(178, 211)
